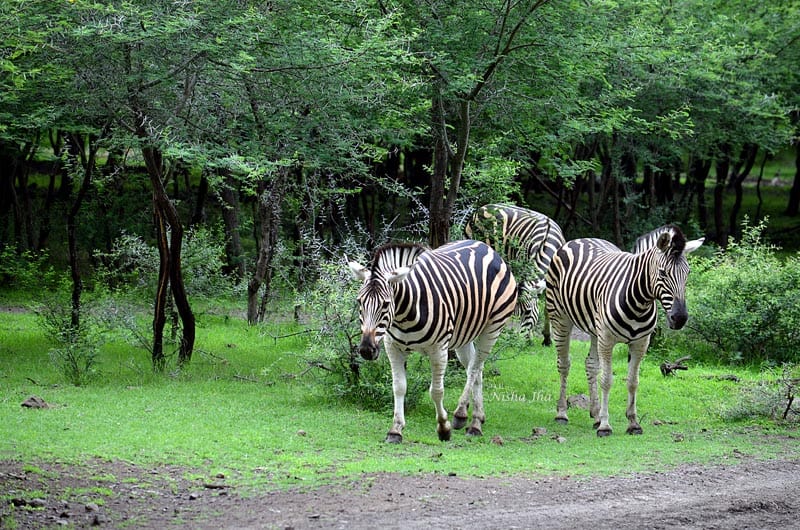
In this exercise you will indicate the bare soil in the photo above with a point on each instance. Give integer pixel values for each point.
(750, 494)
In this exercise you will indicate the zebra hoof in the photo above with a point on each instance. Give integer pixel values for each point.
(602, 433)
(634, 429)
(562, 421)
(459, 422)
(394, 438)
(474, 431)
(444, 435)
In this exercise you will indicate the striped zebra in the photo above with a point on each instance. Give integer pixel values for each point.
(611, 295)
(649, 240)
(521, 235)
(458, 296)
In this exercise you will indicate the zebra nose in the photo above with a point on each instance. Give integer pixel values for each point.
(368, 348)
(678, 316)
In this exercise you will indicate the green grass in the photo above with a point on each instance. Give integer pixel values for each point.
(243, 409)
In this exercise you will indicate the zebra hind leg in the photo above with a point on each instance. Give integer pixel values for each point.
(562, 337)
(465, 354)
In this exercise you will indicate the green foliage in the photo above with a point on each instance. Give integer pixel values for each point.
(132, 263)
(745, 302)
(334, 341)
(27, 271)
(75, 354)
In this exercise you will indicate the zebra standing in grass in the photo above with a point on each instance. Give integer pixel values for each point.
(649, 240)
(521, 235)
(611, 295)
(458, 296)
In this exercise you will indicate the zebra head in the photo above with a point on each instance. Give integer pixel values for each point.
(672, 270)
(376, 298)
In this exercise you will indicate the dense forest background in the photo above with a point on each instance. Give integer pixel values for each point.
(288, 132)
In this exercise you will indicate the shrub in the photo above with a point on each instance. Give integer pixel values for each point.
(745, 302)
(334, 341)
(133, 263)
(26, 271)
(77, 348)
(770, 398)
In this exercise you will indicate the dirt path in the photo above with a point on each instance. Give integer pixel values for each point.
(751, 494)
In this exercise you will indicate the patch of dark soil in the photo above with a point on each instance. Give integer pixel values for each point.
(752, 494)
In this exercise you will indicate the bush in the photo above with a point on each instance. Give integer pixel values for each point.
(771, 398)
(334, 341)
(745, 302)
(133, 263)
(77, 348)
(26, 271)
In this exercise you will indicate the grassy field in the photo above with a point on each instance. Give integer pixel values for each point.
(248, 407)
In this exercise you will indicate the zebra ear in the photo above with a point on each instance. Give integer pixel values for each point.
(359, 271)
(398, 274)
(664, 241)
(693, 245)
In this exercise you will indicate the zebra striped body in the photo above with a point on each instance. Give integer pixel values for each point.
(458, 296)
(612, 295)
(521, 235)
(649, 240)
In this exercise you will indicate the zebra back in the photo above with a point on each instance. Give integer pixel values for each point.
(517, 233)
(451, 294)
(528, 240)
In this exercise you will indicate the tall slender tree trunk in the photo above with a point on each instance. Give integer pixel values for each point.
(743, 169)
(87, 163)
(794, 194)
(170, 240)
(723, 167)
(234, 264)
(270, 198)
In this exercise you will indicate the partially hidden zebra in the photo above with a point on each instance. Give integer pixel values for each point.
(521, 236)
(458, 296)
(649, 240)
(612, 295)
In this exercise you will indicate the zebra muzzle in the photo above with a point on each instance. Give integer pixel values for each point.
(368, 347)
(677, 316)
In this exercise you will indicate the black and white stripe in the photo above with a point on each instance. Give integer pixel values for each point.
(612, 295)
(458, 296)
(520, 234)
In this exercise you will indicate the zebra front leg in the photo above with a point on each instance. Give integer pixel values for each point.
(592, 370)
(438, 367)
(636, 351)
(604, 352)
(397, 360)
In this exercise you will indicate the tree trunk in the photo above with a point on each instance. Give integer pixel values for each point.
(747, 159)
(234, 263)
(268, 217)
(698, 174)
(439, 223)
(72, 240)
(199, 213)
(794, 194)
(170, 273)
(722, 166)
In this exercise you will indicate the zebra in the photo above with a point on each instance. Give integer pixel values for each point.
(521, 234)
(458, 296)
(611, 295)
(649, 240)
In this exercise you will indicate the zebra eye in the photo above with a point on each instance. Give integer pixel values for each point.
(662, 273)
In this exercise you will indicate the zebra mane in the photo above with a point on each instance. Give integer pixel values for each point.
(393, 255)
(678, 241)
